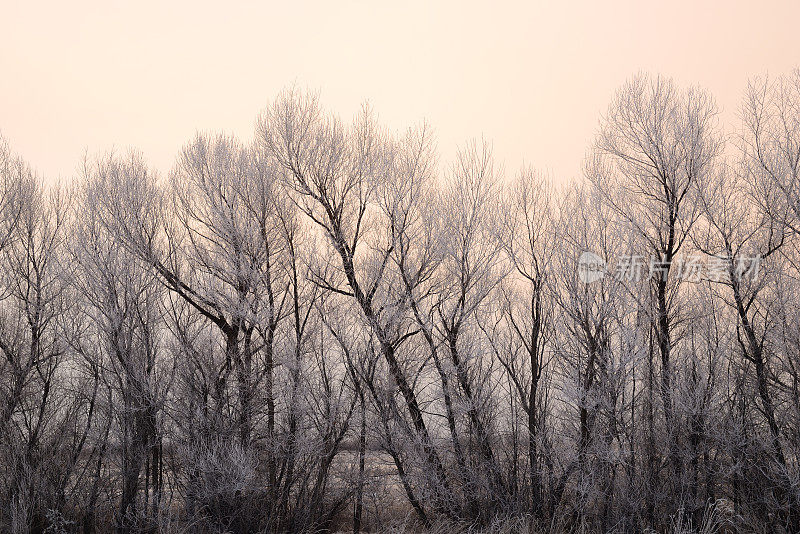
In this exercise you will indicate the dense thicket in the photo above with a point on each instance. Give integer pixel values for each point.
(326, 328)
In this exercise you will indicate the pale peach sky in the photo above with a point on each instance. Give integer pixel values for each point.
(532, 77)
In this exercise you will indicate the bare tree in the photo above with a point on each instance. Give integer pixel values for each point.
(770, 147)
(528, 239)
(656, 146)
(746, 242)
(37, 445)
(334, 174)
(211, 244)
(124, 304)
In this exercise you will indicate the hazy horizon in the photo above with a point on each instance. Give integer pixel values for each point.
(533, 79)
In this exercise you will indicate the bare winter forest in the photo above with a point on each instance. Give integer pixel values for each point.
(328, 328)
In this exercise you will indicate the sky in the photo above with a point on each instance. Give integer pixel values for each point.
(534, 78)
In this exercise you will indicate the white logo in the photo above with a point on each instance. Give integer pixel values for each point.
(591, 267)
